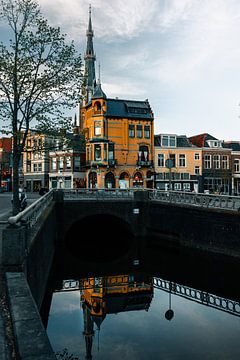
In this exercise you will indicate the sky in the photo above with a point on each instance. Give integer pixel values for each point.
(181, 55)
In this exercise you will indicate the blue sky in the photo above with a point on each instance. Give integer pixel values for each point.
(182, 55)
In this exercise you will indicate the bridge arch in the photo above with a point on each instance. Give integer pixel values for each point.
(99, 237)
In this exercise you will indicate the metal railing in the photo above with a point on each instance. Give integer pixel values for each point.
(31, 214)
(226, 202)
(199, 296)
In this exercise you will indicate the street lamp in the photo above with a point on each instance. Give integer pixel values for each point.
(169, 164)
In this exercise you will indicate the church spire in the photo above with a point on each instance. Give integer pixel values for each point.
(90, 58)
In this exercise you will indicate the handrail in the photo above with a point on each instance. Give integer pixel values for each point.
(32, 211)
(226, 202)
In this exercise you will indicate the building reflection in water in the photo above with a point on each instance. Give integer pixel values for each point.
(101, 296)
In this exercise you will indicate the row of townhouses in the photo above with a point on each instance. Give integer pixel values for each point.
(200, 163)
(113, 145)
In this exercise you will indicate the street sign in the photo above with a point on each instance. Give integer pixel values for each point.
(169, 163)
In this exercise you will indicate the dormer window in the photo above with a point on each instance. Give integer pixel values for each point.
(168, 141)
(214, 143)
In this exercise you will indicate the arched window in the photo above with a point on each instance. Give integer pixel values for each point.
(138, 179)
(97, 107)
(124, 180)
(109, 180)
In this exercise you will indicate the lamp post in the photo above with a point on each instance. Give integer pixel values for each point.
(169, 165)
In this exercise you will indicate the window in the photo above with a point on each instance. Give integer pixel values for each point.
(161, 160)
(110, 151)
(225, 164)
(139, 131)
(177, 186)
(186, 186)
(237, 165)
(196, 156)
(105, 152)
(143, 153)
(67, 182)
(54, 164)
(60, 163)
(197, 170)
(207, 161)
(35, 167)
(216, 161)
(168, 140)
(182, 160)
(39, 167)
(97, 152)
(147, 132)
(173, 158)
(185, 176)
(76, 163)
(131, 131)
(97, 129)
(68, 163)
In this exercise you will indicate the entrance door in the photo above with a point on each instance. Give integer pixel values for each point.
(109, 180)
(92, 180)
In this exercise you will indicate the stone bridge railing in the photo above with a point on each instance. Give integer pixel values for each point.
(31, 214)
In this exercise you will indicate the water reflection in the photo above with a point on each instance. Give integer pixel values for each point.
(101, 296)
(151, 311)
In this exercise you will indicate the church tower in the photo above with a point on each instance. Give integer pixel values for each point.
(119, 133)
(89, 58)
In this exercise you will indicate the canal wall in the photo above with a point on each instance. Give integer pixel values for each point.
(172, 225)
(211, 230)
(27, 259)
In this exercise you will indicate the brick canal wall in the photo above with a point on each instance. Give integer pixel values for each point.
(211, 230)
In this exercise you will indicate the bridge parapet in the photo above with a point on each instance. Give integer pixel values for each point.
(31, 214)
(223, 202)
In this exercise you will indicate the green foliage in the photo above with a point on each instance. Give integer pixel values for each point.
(40, 77)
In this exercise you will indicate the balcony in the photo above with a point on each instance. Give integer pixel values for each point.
(101, 163)
(142, 163)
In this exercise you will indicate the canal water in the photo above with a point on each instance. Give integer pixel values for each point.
(165, 305)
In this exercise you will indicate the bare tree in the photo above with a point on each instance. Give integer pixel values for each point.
(40, 77)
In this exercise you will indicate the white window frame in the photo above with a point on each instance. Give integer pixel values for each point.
(225, 162)
(182, 160)
(162, 161)
(207, 162)
(197, 170)
(216, 161)
(236, 163)
(186, 186)
(196, 156)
